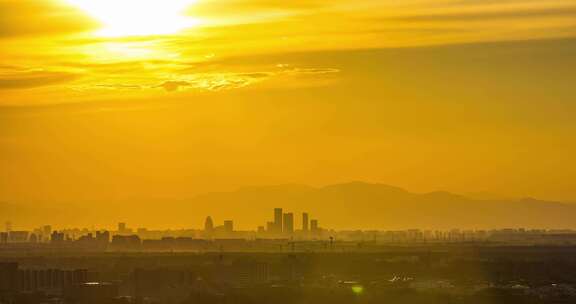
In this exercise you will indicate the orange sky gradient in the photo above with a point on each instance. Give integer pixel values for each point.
(170, 99)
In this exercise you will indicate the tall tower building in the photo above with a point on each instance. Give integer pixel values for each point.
(121, 227)
(305, 222)
(229, 226)
(288, 223)
(208, 224)
(270, 227)
(314, 226)
(278, 220)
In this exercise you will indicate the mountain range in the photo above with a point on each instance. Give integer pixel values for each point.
(354, 205)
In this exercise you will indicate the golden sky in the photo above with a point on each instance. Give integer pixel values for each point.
(137, 99)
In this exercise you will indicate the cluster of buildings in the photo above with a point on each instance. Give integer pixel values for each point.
(143, 284)
(283, 224)
(283, 232)
(52, 285)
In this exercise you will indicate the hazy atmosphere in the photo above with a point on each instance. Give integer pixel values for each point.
(287, 151)
(102, 102)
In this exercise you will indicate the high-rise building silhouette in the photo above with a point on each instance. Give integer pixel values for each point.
(270, 227)
(228, 226)
(57, 237)
(288, 223)
(305, 222)
(8, 277)
(121, 227)
(46, 231)
(278, 220)
(314, 226)
(208, 224)
(103, 237)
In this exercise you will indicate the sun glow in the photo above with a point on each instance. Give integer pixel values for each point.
(121, 18)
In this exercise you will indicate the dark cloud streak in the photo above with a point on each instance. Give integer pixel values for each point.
(487, 16)
(27, 80)
(40, 18)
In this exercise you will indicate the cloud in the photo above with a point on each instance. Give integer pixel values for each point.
(234, 7)
(119, 86)
(174, 85)
(227, 81)
(31, 79)
(214, 81)
(493, 15)
(40, 17)
(313, 71)
(255, 75)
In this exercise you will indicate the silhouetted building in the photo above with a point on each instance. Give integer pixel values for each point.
(208, 225)
(57, 237)
(314, 226)
(228, 226)
(102, 237)
(305, 222)
(270, 227)
(18, 236)
(126, 242)
(8, 277)
(50, 280)
(246, 273)
(278, 220)
(92, 293)
(46, 231)
(288, 223)
(122, 228)
(160, 284)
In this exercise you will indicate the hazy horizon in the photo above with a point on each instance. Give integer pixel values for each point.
(122, 103)
(353, 205)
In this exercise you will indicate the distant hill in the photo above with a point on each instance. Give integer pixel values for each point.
(379, 206)
(354, 205)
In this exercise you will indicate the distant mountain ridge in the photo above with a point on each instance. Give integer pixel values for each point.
(353, 205)
(379, 206)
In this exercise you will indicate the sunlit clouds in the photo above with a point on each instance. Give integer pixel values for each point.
(121, 18)
(108, 99)
(172, 37)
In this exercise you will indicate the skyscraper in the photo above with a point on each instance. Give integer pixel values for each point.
(121, 227)
(305, 222)
(278, 220)
(228, 226)
(103, 237)
(288, 226)
(270, 227)
(208, 224)
(314, 226)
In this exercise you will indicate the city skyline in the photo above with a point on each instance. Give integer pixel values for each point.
(397, 209)
(287, 152)
(209, 229)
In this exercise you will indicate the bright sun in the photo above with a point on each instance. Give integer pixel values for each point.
(121, 18)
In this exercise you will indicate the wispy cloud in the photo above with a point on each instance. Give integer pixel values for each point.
(40, 18)
(493, 15)
(25, 79)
